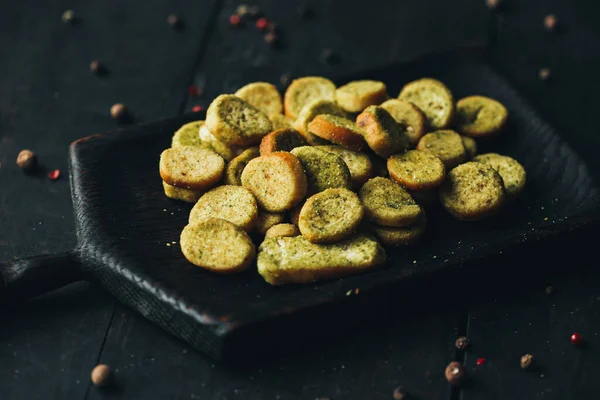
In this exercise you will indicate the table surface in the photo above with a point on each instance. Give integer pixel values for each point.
(48, 98)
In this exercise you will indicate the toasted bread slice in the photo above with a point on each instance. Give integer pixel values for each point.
(396, 237)
(330, 216)
(473, 191)
(512, 173)
(232, 203)
(191, 167)
(267, 220)
(225, 151)
(323, 170)
(416, 170)
(433, 98)
(479, 116)
(236, 122)
(305, 90)
(387, 204)
(309, 112)
(284, 139)
(235, 167)
(263, 96)
(382, 132)
(188, 135)
(296, 260)
(359, 164)
(338, 130)
(470, 146)
(282, 230)
(277, 180)
(355, 96)
(217, 245)
(175, 193)
(445, 144)
(410, 118)
(280, 121)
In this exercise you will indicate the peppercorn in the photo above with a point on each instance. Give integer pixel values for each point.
(527, 361)
(400, 394)
(54, 174)
(235, 20)
(97, 67)
(576, 339)
(549, 290)
(455, 373)
(174, 21)
(242, 10)
(118, 111)
(262, 23)
(194, 90)
(271, 39)
(494, 4)
(27, 160)
(68, 17)
(545, 74)
(197, 108)
(462, 343)
(101, 375)
(480, 361)
(550, 22)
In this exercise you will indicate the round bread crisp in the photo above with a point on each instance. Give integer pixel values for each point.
(280, 121)
(217, 245)
(445, 144)
(359, 164)
(232, 203)
(266, 220)
(470, 146)
(282, 230)
(472, 191)
(188, 135)
(219, 147)
(479, 116)
(263, 96)
(512, 173)
(410, 118)
(337, 130)
(191, 167)
(304, 91)
(277, 180)
(355, 96)
(330, 215)
(236, 122)
(235, 167)
(416, 170)
(382, 132)
(324, 170)
(284, 139)
(433, 98)
(175, 193)
(395, 237)
(309, 112)
(386, 203)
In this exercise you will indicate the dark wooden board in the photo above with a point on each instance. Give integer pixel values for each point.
(124, 226)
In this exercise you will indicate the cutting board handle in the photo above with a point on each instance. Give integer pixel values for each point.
(30, 277)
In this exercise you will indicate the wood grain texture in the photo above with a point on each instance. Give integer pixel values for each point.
(48, 98)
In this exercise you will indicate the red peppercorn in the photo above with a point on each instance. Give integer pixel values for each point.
(480, 361)
(197, 108)
(235, 20)
(262, 23)
(576, 339)
(54, 175)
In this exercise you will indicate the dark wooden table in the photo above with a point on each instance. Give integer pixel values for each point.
(48, 98)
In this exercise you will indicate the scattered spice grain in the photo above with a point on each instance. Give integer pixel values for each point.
(550, 22)
(462, 343)
(455, 373)
(27, 160)
(101, 375)
(527, 361)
